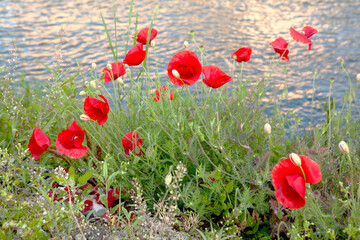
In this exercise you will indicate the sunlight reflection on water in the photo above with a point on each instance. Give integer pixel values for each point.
(221, 27)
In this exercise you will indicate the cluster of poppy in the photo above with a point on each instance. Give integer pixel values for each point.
(281, 46)
(93, 192)
(184, 68)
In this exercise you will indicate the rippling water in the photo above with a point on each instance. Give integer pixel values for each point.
(221, 26)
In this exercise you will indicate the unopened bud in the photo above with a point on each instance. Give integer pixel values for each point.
(186, 44)
(120, 81)
(86, 82)
(344, 147)
(295, 159)
(358, 77)
(93, 84)
(267, 129)
(102, 75)
(168, 179)
(175, 73)
(153, 43)
(82, 93)
(109, 66)
(84, 117)
(93, 65)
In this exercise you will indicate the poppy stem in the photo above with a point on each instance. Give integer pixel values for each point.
(208, 96)
(242, 66)
(352, 176)
(58, 155)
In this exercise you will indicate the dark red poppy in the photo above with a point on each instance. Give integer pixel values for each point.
(280, 46)
(289, 182)
(242, 54)
(53, 196)
(135, 56)
(97, 110)
(88, 204)
(112, 197)
(38, 143)
(69, 141)
(117, 70)
(187, 65)
(214, 77)
(300, 38)
(163, 91)
(143, 34)
(130, 142)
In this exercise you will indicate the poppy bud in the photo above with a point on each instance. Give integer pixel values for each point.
(344, 147)
(295, 159)
(120, 81)
(186, 44)
(93, 65)
(358, 77)
(82, 93)
(267, 129)
(93, 84)
(101, 75)
(153, 43)
(109, 66)
(86, 82)
(168, 179)
(84, 117)
(175, 73)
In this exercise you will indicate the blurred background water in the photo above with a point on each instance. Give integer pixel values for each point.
(37, 32)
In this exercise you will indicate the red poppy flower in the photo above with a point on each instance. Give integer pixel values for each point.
(69, 141)
(97, 110)
(289, 182)
(117, 70)
(187, 64)
(143, 34)
(130, 141)
(38, 143)
(300, 38)
(88, 204)
(214, 77)
(162, 91)
(242, 54)
(135, 56)
(112, 197)
(279, 46)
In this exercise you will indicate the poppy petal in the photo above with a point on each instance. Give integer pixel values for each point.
(309, 31)
(311, 170)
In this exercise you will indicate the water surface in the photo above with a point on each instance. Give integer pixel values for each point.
(71, 31)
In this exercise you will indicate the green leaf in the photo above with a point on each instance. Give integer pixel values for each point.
(84, 178)
(230, 186)
(112, 176)
(72, 176)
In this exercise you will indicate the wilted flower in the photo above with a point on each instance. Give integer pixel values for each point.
(344, 147)
(267, 128)
(289, 181)
(295, 159)
(38, 143)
